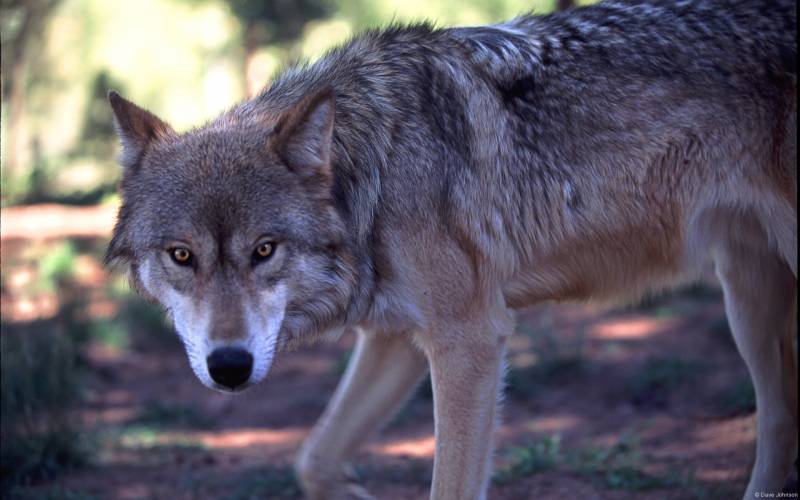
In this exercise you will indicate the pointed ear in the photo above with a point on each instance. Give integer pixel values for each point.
(303, 135)
(136, 127)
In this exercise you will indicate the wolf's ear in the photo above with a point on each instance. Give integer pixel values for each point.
(136, 127)
(303, 135)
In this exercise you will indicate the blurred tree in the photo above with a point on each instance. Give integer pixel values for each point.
(564, 4)
(97, 133)
(272, 22)
(275, 22)
(22, 24)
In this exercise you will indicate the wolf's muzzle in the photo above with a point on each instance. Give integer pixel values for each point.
(230, 367)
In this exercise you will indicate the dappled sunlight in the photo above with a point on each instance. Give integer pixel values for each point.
(245, 438)
(21, 277)
(29, 296)
(88, 271)
(52, 265)
(630, 328)
(551, 424)
(418, 447)
(27, 309)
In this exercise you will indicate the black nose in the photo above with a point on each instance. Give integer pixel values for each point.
(230, 366)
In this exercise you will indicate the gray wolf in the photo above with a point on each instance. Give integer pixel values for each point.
(420, 184)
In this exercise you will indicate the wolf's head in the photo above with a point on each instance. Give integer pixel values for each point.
(232, 228)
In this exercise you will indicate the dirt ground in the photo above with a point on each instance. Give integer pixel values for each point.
(645, 402)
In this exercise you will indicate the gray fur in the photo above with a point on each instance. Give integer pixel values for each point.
(580, 155)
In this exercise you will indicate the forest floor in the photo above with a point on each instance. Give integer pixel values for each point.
(639, 402)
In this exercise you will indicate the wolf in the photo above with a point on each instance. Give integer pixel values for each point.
(418, 185)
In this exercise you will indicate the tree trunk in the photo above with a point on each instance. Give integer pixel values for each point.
(564, 4)
(16, 83)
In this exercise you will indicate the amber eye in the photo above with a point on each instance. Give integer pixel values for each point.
(181, 256)
(263, 251)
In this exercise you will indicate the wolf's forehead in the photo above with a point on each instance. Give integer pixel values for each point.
(215, 231)
(226, 212)
(227, 207)
(219, 167)
(219, 181)
(215, 147)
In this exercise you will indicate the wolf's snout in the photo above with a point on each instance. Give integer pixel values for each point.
(230, 367)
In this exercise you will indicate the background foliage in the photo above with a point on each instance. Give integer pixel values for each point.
(187, 60)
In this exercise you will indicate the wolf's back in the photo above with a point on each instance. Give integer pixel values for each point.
(710, 39)
(763, 30)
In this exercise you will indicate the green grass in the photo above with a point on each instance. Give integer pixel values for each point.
(529, 460)
(151, 438)
(57, 266)
(40, 384)
(110, 333)
(613, 462)
(619, 466)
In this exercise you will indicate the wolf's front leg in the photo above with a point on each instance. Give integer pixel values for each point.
(382, 373)
(465, 372)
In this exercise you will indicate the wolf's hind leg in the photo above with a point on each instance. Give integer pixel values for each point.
(761, 303)
(384, 370)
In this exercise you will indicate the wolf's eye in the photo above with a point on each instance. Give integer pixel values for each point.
(181, 256)
(263, 252)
